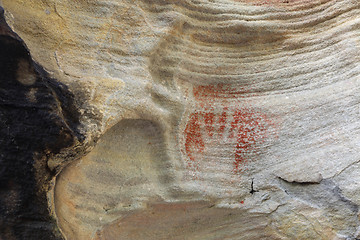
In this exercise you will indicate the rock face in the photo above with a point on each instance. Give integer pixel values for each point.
(35, 125)
(197, 119)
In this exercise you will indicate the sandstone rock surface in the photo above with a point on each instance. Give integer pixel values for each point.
(202, 119)
(38, 119)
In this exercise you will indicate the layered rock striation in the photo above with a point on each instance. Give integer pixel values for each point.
(201, 119)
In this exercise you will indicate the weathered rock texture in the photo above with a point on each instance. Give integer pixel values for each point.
(201, 119)
(35, 125)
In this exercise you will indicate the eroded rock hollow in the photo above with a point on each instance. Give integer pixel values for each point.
(190, 119)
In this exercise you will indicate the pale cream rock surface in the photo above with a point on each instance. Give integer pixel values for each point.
(216, 119)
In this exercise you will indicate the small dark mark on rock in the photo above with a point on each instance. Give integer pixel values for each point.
(252, 191)
(315, 180)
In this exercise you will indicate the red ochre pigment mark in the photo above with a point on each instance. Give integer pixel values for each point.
(251, 128)
(194, 141)
(245, 127)
(222, 121)
(209, 122)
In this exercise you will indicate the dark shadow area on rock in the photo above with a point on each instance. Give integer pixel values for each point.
(37, 119)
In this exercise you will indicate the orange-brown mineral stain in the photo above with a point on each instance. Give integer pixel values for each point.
(219, 118)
